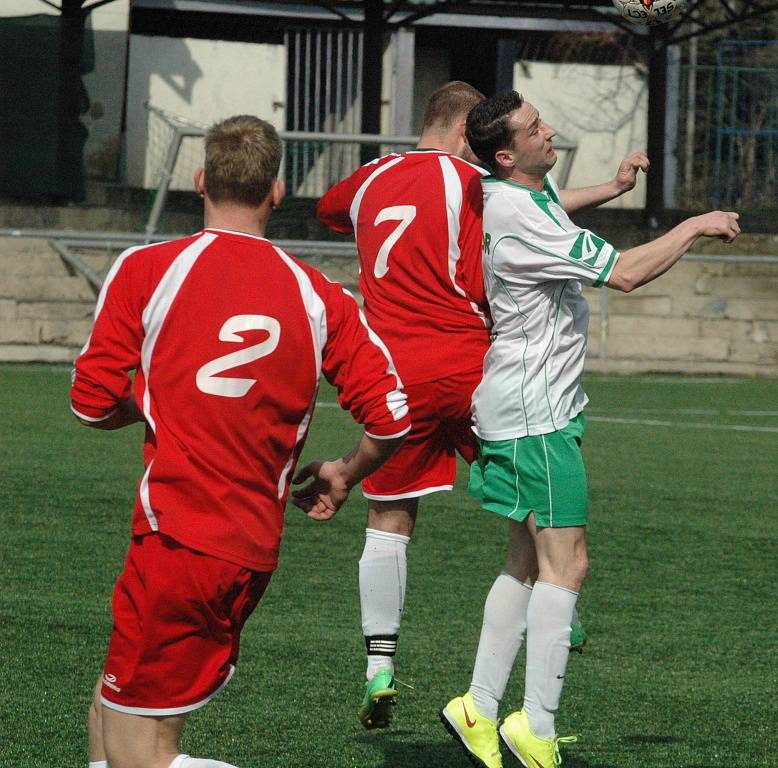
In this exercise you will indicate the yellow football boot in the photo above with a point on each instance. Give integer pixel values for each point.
(532, 751)
(476, 733)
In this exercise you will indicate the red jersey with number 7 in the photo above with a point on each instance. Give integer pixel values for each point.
(228, 336)
(417, 221)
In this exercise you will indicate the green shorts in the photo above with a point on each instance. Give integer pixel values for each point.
(543, 474)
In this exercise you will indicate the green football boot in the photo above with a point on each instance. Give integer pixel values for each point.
(375, 711)
(577, 637)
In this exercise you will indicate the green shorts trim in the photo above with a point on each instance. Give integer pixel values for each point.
(543, 474)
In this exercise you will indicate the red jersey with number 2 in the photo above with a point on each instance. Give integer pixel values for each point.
(417, 220)
(228, 336)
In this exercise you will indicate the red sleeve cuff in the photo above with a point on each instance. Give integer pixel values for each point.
(92, 414)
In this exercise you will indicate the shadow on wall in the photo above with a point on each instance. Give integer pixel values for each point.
(42, 97)
(161, 71)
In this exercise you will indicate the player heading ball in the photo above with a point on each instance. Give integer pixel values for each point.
(529, 411)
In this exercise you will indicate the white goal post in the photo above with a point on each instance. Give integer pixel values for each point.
(175, 141)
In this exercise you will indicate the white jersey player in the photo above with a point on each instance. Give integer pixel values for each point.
(529, 413)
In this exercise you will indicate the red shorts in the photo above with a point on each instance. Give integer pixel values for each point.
(426, 461)
(177, 618)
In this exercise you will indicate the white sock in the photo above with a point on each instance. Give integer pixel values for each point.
(505, 621)
(98, 764)
(382, 573)
(549, 614)
(184, 761)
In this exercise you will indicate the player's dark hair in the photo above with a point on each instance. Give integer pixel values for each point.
(451, 102)
(242, 158)
(488, 129)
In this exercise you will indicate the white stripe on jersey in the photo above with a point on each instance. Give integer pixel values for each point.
(153, 317)
(453, 190)
(317, 322)
(396, 401)
(357, 201)
(112, 272)
(145, 498)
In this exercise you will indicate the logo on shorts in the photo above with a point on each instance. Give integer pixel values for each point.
(110, 681)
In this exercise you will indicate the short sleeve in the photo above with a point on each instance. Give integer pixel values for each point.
(542, 244)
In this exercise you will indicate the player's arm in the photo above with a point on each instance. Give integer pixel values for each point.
(125, 413)
(333, 209)
(624, 180)
(358, 364)
(333, 480)
(101, 393)
(644, 263)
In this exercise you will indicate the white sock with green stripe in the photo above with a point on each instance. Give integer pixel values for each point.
(382, 573)
(505, 621)
(549, 615)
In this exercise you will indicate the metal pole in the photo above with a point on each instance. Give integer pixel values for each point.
(162, 190)
(691, 111)
(669, 197)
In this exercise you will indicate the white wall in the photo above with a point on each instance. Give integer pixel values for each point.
(603, 108)
(202, 81)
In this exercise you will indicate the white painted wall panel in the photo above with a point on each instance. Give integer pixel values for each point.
(200, 80)
(603, 108)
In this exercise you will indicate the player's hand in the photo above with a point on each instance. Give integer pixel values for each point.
(721, 224)
(325, 494)
(627, 175)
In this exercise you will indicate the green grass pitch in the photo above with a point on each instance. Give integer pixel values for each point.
(680, 604)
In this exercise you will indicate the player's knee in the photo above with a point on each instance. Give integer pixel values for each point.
(134, 757)
(95, 718)
(579, 567)
(397, 517)
(124, 749)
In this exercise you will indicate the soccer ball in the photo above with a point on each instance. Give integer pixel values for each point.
(650, 12)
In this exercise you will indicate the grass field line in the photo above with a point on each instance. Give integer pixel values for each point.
(694, 412)
(681, 424)
(680, 379)
(660, 422)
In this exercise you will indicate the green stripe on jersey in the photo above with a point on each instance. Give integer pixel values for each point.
(605, 274)
(538, 247)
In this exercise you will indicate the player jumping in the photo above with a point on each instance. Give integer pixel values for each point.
(417, 220)
(529, 414)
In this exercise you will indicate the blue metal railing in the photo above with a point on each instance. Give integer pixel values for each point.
(746, 153)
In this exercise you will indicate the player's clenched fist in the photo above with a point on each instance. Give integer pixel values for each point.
(721, 224)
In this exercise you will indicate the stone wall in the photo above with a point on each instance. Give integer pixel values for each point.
(701, 317)
(45, 310)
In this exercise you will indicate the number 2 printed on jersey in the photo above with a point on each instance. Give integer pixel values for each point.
(224, 386)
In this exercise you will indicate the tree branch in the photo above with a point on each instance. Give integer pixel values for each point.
(328, 6)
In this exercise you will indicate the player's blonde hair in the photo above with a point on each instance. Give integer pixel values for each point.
(242, 158)
(450, 103)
